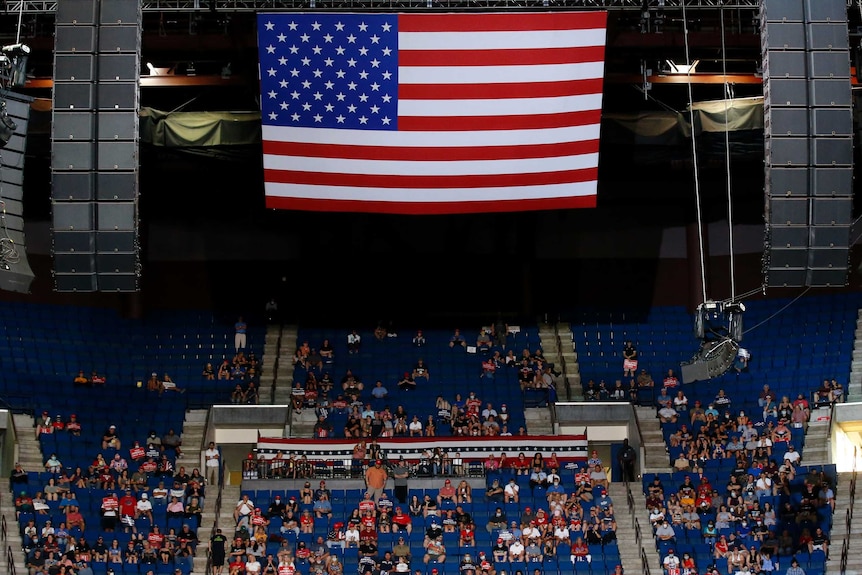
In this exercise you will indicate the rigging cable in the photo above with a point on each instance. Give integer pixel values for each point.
(727, 158)
(694, 156)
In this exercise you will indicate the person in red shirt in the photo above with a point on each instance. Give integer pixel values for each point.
(306, 522)
(74, 518)
(58, 424)
(402, 521)
(128, 502)
(73, 426)
(156, 537)
(447, 492)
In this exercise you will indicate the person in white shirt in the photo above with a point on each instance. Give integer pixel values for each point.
(144, 508)
(351, 536)
(252, 566)
(516, 551)
(213, 464)
(792, 456)
(415, 427)
(512, 491)
(243, 510)
(562, 535)
(670, 562)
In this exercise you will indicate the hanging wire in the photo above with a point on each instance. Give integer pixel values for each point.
(727, 159)
(694, 157)
(777, 313)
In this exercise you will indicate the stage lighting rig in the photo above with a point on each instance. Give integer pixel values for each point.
(718, 326)
(13, 65)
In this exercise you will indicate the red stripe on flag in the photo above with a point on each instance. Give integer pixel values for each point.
(503, 90)
(430, 208)
(513, 22)
(429, 182)
(345, 152)
(522, 122)
(514, 57)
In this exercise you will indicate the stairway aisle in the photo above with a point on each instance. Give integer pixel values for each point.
(7, 510)
(854, 386)
(270, 356)
(656, 456)
(558, 355)
(630, 554)
(29, 449)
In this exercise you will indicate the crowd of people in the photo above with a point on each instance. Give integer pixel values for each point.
(130, 507)
(528, 517)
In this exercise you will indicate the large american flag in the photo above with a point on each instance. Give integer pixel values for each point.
(431, 113)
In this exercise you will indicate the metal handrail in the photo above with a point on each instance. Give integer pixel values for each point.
(276, 362)
(218, 502)
(563, 366)
(644, 563)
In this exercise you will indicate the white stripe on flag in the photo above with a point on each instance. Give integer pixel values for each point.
(501, 107)
(499, 74)
(432, 139)
(500, 40)
(435, 168)
(410, 195)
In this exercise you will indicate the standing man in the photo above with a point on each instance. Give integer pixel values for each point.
(218, 550)
(626, 457)
(400, 472)
(239, 339)
(375, 479)
(213, 465)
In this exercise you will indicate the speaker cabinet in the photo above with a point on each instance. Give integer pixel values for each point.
(782, 10)
(73, 67)
(832, 151)
(829, 236)
(119, 67)
(832, 211)
(118, 126)
(116, 263)
(786, 64)
(118, 96)
(826, 10)
(75, 282)
(788, 258)
(787, 182)
(75, 186)
(73, 216)
(117, 39)
(829, 277)
(788, 211)
(125, 242)
(74, 242)
(829, 64)
(117, 186)
(79, 12)
(116, 216)
(73, 96)
(126, 12)
(787, 277)
(75, 263)
(73, 125)
(792, 122)
(832, 122)
(783, 36)
(74, 39)
(828, 36)
(787, 152)
(118, 282)
(115, 156)
(788, 93)
(72, 156)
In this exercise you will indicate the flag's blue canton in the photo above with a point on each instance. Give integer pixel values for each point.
(329, 70)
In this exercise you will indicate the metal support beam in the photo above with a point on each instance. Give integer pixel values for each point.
(48, 6)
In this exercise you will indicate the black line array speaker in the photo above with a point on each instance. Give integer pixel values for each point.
(95, 145)
(809, 142)
(15, 272)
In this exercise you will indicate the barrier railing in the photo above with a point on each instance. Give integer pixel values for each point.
(275, 363)
(563, 367)
(218, 502)
(644, 563)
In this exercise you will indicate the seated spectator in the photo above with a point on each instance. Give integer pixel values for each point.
(111, 439)
(421, 370)
(670, 380)
(668, 415)
(407, 383)
(419, 339)
(379, 391)
(457, 340)
(354, 341)
(483, 341)
(322, 428)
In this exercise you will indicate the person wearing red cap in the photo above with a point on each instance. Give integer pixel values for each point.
(402, 522)
(446, 493)
(375, 479)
